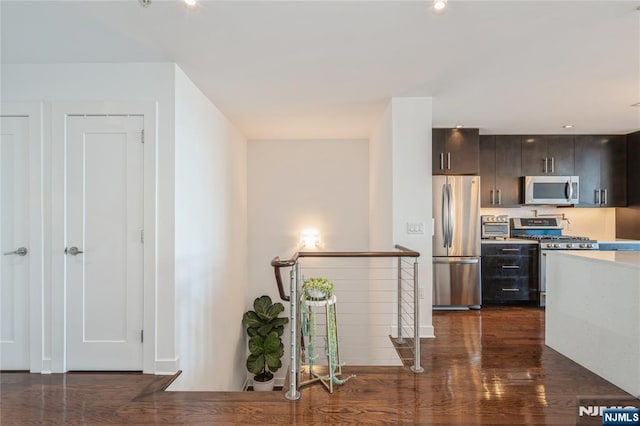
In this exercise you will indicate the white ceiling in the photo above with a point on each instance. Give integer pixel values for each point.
(326, 69)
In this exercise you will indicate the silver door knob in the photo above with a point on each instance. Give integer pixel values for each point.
(73, 251)
(22, 251)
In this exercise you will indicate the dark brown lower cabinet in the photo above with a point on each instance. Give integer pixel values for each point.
(509, 273)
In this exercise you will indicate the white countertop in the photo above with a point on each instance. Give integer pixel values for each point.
(618, 241)
(593, 312)
(624, 258)
(510, 241)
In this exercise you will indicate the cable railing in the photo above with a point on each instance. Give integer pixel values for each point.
(378, 293)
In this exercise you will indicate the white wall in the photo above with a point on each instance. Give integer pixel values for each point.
(108, 82)
(211, 244)
(297, 184)
(411, 159)
(294, 185)
(401, 169)
(381, 185)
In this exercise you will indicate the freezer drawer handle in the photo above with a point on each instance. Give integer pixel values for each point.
(510, 289)
(510, 267)
(510, 249)
(455, 260)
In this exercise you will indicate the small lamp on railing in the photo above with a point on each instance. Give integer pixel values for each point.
(310, 238)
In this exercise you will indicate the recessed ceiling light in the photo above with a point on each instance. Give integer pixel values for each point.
(459, 126)
(439, 5)
(568, 126)
(190, 3)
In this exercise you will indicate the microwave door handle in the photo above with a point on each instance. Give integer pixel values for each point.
(569, 190)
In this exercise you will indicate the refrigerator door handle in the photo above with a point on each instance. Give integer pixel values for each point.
(444, 217)
(450, 215)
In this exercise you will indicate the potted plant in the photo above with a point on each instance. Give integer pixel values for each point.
(265, 329)
(317, 289)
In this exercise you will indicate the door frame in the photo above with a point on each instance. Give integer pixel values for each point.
(33, 111)
(59, 113)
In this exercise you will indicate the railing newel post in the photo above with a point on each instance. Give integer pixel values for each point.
(400, 339)
(416, 321)
(293, 393)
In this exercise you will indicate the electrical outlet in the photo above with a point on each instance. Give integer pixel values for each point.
(415, 227)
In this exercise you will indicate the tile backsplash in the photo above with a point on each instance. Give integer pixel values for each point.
(595, 223)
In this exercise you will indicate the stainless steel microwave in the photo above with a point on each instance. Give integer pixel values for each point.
(553, 190)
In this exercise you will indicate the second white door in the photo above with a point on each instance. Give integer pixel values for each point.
(14, 243)
(104, 242)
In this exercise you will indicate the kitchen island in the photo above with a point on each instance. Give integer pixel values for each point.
(593, 312)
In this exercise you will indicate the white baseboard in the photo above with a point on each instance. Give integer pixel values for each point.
(46, 366)
(426, 331)
(167, 367)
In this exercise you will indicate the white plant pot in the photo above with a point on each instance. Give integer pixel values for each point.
(263, 386)
(316, 293)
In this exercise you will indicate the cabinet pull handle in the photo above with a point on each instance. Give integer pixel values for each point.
(606, 198)
(510, 249)
(510, 289)
(448, 161)
(545, 164)
(442, 161)
(552, 165)
(493, 197)
(597, 197)
(499, 197)
(510, 267)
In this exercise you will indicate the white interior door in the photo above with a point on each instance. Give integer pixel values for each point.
(14, 237)
(104, 261)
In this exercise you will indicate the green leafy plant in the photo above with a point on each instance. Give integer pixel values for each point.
(311, 287)
(265, 329)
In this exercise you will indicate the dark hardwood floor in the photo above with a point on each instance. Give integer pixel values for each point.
(484, 367)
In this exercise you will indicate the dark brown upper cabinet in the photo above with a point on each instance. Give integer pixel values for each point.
(500, 170)
(455, 152)
(601, 163)
(547, 155)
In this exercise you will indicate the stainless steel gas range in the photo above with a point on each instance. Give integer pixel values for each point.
(548, 232)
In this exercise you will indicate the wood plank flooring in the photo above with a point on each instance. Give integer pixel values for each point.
(484, 367)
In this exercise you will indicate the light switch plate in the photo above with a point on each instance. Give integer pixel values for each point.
(415, 227)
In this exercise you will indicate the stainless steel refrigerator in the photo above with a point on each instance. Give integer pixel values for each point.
(456, 241)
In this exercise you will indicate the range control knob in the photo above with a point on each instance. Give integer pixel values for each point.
(583, 245)
(590, 245)
(556, 245)
(569, 245)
